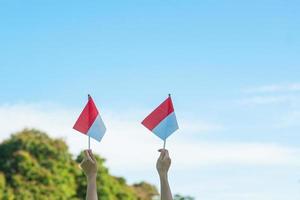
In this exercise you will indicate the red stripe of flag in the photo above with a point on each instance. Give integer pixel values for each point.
(160, 113)
(87, 117)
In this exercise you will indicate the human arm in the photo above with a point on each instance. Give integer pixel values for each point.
(163, 164)
(89, 167)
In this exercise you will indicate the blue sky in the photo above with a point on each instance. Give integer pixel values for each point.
(232, 67)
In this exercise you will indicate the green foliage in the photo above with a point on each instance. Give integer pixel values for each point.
(145, 191)
(35, 166)
(111, 188)
(2, 185)
(179, 197)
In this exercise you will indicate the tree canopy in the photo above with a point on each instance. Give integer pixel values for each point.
(34, 166)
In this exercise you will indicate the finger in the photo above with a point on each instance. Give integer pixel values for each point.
(166, 155)
(87, 155)
(92, 155)
(162, 154)
(83, 162)
(80, 167)
(160, 150)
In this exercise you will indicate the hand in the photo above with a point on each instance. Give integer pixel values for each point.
(163, 163)
(89, 164)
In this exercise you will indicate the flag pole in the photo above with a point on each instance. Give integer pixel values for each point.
(165, 140)
(89, 140)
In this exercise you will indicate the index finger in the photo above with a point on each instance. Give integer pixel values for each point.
(162, 153)
(166, 154)
(91, 155)
(87, 155)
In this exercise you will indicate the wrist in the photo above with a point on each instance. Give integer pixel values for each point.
(163, 175)
(91, 176)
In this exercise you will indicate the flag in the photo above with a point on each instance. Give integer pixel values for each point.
(90, 122)
(162, 121)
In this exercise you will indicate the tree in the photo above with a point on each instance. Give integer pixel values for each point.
(35, 166)
(145, 191)
(179, 197)
(111, 188)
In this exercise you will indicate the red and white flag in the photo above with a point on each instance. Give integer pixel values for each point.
(90, 122)
(162, 121)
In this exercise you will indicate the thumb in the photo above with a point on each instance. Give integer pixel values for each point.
(87, 155)
(91, 155)
(162, 153)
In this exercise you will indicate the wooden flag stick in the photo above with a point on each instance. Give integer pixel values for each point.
(89, 142)
(165, 140)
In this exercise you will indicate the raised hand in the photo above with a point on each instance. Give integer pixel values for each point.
(89, 167)
(163, 165)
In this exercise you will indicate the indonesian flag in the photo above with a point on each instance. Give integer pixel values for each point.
(90, 122)
(162, 121)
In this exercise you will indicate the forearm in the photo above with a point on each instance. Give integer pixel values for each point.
(91, 188)
(165, 188)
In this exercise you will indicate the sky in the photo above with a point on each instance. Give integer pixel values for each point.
(232, 68)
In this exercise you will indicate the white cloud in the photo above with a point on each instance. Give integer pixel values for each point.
(291, 87)
(272, 94)
(129, 145)
(263, 100)
(131, 150)
(235, 153)
(198, 126)
(289, 119)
